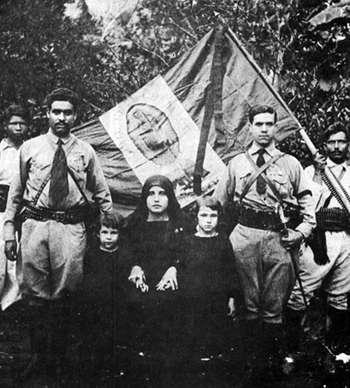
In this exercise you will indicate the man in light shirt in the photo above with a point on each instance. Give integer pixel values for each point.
(262, 253)
(57, 174)
(16, 125)
(334, 271)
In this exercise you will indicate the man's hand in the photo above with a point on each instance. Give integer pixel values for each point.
(137, 276)
(293, 239)
(169, 280)
(319, 162)
(11, 250)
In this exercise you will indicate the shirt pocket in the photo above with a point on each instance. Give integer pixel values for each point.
(280, 180)
(77, 164)
(243, 178)
(40, 168)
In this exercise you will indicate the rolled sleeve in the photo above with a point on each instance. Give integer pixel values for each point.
(14, 202)
(305, 201)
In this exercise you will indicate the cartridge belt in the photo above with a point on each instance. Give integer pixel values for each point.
(332, 219)
(266, 220)
(73, 215)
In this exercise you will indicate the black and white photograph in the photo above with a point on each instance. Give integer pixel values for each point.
(174, 194)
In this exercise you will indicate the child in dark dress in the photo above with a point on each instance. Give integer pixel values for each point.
(210, 285)
(102, 296)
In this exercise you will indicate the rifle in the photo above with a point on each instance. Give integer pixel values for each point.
(293, 253)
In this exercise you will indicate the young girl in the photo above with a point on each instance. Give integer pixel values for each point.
(155, 234)
(210, 284)
(104, 275)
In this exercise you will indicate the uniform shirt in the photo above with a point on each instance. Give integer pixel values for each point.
(36, 157)
(321, 192)
(8, 162)
(287, 176)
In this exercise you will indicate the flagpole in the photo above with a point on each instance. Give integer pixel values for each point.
(332, 180)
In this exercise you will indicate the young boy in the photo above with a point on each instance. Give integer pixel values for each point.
(102, 295)
(210, 283)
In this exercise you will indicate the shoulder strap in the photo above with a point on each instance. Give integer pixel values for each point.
(328, 200)
(78, 186)
(48, 177)
(261, 171)
(334, 192)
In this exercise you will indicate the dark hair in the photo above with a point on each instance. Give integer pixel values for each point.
(209, 202)
(140, 214)
(16, 110)
(111, 220)
(62, 94)
(333, 129)
(258, 109)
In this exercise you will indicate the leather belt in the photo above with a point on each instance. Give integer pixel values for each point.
(267, 220)
(259, 219)
(68, 216)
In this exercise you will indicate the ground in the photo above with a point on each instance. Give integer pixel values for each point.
(138, 370)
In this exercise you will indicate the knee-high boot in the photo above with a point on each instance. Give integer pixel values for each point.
(337, 333)
(293, 326)
(253, 339)
(273, 344)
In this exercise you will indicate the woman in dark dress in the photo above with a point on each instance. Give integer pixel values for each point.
(155, 233)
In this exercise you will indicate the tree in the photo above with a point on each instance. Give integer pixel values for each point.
(40, 50)
(45, 51)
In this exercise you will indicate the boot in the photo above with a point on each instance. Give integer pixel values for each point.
(39, 334)
(294, 330)
(60, 337)
(336, 335)
(273, 350)
(336, 339)
(253, 340)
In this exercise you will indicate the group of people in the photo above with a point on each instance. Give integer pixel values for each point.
(163, 283)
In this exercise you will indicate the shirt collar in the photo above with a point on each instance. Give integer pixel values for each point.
(5, 144)
(255, 148)
(55, 138)
(331, 164)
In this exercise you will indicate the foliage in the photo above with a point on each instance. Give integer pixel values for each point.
(41, 50)
(309, 68)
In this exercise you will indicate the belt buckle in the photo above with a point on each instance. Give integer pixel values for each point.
(60, 216)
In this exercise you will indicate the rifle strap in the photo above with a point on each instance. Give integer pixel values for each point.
(79, 188)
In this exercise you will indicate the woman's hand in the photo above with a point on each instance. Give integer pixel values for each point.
(231, 308)
(169, 280)
(137, 276)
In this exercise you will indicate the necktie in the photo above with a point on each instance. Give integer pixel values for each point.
(260, 182)
(59, 177)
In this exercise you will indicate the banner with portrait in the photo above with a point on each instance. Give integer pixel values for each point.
(157, 136)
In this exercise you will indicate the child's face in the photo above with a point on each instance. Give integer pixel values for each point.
(207, 220)
(157, 200)
(108, 237)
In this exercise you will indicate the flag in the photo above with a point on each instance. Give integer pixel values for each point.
(216, 83)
